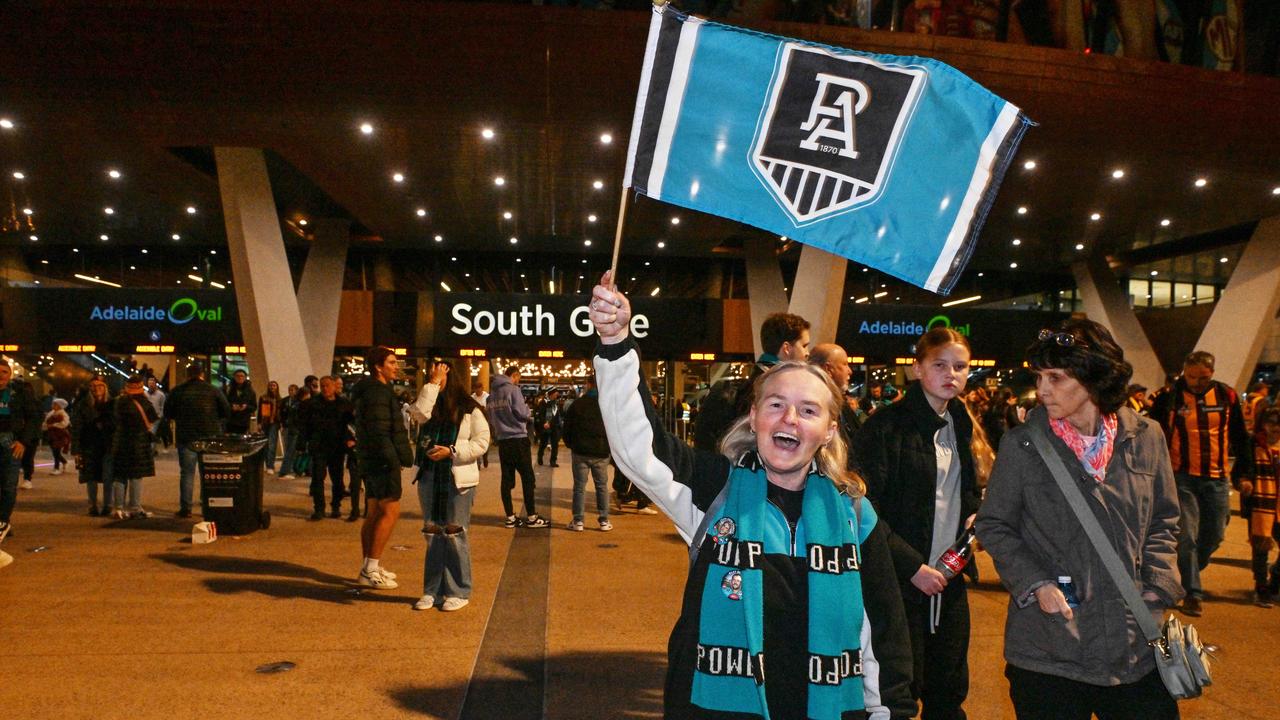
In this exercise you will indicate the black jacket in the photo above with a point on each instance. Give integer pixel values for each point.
(322, 425)
(131, 453)
(894, 450)
(382, 442)
(584, 428)
(92, 428)
(198, 408)
(24, 414)
(238, 420)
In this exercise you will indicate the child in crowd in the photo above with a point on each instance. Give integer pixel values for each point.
(1258, 499)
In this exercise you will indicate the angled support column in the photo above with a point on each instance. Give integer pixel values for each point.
(269, 315)
(1242, 320)
(320, 292)
(764, 285)
(1106, 303)
(817, 298)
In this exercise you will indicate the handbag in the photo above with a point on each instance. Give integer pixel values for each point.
(1180, 657)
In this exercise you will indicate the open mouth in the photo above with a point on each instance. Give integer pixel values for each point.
(786, 441)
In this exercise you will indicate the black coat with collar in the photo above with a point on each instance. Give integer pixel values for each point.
(895, 453)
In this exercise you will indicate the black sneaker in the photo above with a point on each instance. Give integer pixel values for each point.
(354, 516)
(511, 521)
(536, 521)
(335, 513)
(317, 515)
(184, 512)
(1262, 598)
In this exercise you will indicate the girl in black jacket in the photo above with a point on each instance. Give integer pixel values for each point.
(918, 463)
(92, 425)
(131, 454)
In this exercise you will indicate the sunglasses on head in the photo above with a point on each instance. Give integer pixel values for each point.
(1062, 339)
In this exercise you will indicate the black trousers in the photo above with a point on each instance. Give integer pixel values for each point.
(1037, 696)
(552, 438)
(29, 459)
(940, 676)
(513, 454)
(331, 464)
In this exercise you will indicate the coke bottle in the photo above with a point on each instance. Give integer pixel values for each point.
(956, 557)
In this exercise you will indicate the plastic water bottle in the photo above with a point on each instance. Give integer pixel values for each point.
(1068, 589)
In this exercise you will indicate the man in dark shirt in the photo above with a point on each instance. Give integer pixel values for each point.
(324, 430)
(19, 428)
(551, 423)
(197, 410)
(243, 400)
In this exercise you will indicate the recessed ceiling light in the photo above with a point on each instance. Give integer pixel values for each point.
(466, 274)
(366, 128)
(191, 209)
(453, 259)
(519, 260)
(1117, 173)
(661, 244)
(514, 240)
(113, 174)
(131, 267)
(1013, 266)
(487, 133)
(1165, 222)
(646, 263)
(586, 243)
(606, 138)
(17, 175)
(675, 221)
(1201, 182)
(6, 123)
(1155, 273)
(1095, 217)
(302, 222)
(398, 177)
(35, 238)
(1222, 259)
(981, 274)
(599, 185)
(420, 212)
(1079, 246)
(499, 181)
(176, 236)
(584, 261)
(591, 218)
(103, 237)
(144, 251)
(439, 238)
(506, 215)
(1029, 165)
(1016, 242)
(1022, 210)
(213, 252)
(109, 210)
(75, 250)
(1275, 190)
(28, 211)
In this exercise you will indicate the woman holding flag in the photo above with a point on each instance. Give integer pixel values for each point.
(790, 569)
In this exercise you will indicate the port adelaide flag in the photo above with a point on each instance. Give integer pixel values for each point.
(889, 161)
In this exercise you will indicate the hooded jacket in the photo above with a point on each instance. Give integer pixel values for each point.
(508, 412)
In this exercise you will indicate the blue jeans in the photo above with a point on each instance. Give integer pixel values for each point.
(290, 445)
(92, 487)
(446, 569)
(272, 432)
(1205, 511)
(10, 468)
(599, 468)
(134, 498)
(188, 460)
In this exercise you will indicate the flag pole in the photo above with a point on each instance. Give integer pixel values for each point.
(617, 238)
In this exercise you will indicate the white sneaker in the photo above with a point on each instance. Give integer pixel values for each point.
(26, 485)
(270, 471)
(386, 573)
(426, 602)
(56, 471)
(5, 558)
(605, 526)
(646, 510)
(575, 526)
(376, 580)
(454, 603)
(287, 476)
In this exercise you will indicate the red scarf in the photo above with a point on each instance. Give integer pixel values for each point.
(1097, 454)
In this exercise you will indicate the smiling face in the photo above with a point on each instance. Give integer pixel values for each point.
(943, 373)
(1064, 397)
(792, 419)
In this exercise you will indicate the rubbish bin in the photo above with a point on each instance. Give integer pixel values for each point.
(231, 482)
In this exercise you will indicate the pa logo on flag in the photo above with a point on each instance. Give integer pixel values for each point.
(830, 129)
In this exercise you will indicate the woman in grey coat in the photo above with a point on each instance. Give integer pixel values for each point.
(1072, 647)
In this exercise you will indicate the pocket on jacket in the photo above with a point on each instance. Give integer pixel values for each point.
(1055, 639)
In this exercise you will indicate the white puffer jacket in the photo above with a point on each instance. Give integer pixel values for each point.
(473, 436)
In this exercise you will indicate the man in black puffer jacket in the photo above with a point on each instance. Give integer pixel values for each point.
(19, 429)
(199, 411)
(382, 449)
(585, 436)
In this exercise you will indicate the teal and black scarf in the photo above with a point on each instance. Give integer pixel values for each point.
(731, 661)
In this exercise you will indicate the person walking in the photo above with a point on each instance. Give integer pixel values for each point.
(93, 424)
(197, 409)
(57, 434)
(550, 419)
(510, 417)
(382, 449)
(790, 607)
(269, 422)
(1258, 506)
(241, 398)
(1072, 646)
(452, 436)
(132, 458)
(917, 458)
(1203, 424)
(323, 426)
(584, 435)
(19, 430)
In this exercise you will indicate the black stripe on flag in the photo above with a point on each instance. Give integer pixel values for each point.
(664, 56)
(1000, 165)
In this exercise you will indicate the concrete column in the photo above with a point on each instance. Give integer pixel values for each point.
(1243, 318)
(764, 285)
(1107, 303)
(817, 299)
(320, 292)
(269, 315)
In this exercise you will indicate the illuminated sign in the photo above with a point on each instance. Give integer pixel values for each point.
(528, 321)
(915, 329)
(904, 361)
(233, 350)
(550, 353)
(857, 360)
(77, 348)
(982, 363)
(10, 348)
(401, 352)
(181, 312)
(702, 356)
(471, 352)
(154, 349)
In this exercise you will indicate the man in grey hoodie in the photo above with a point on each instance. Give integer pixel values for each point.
(509, 416)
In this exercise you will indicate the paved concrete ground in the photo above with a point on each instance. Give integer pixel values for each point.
(128, 619)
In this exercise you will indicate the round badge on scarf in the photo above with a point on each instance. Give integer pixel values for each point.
(725, 528)
(732, 585)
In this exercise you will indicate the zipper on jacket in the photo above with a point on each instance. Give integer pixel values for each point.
(790, 526)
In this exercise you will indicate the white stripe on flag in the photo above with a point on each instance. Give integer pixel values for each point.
(671, 110)
(977, 186)
(650, 49)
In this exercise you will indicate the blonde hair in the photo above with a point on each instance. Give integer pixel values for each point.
(833, 457)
